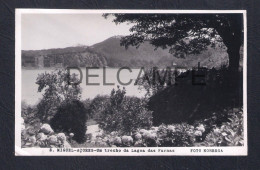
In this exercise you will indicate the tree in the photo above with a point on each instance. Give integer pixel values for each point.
(57, 88)
(124, 114)
(71, 117)
(186, 34)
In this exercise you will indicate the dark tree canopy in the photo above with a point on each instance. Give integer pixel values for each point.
(186, 33)
(71, 117)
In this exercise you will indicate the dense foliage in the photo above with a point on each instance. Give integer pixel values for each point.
(212, 118)
(230, 133)
(29, 113)
(97, 106)
(124, 114)
(57, 87)
(154, 80)
(79, 56)
(42, 135)
(186, 101)
(71, 117)
(205, 132)
(186, 33)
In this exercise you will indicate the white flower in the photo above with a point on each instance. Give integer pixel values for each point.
(142, 131)
(138, 143)
(111, 140)
(41, 136)
(224, 134)
(138, 136)
(32, 139)
(152, 131)
(154, 128)
(217, 130)
(171, 128)
(71, 135)
(99, 134)
(127, 140)
(146, 135)
(198, 133)
(152, 136)
(46, 129)
(201, 128)
(117, 140)
(105, 139)
(113, 133)
(61, 137)
(53, 139)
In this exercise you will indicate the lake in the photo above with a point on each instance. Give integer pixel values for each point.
(31, 95)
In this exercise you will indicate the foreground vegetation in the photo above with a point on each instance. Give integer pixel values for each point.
(60, 118)
(202, 133)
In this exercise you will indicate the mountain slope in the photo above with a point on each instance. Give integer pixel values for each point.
(71, 56)
(118, 55)
(110, 53)
(145, 55)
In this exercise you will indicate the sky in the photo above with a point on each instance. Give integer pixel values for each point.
(44, 31)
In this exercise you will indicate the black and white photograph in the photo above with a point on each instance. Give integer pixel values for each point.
(130, 82)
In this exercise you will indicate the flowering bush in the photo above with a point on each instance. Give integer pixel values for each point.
(46, 128)
(44, 137)
(127, 140)
(229, 134)
(29, 113)
(171, 135)
(179, 135)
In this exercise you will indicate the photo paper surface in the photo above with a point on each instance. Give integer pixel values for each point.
(130, 82)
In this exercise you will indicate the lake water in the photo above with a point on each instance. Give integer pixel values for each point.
(31, 95)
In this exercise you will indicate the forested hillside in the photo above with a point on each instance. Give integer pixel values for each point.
(110, 53)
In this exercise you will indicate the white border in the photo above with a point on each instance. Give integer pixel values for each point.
(178, 151)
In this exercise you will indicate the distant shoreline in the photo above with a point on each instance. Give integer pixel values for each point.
(53, 68)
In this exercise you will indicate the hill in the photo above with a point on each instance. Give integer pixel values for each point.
(146, 55)
(110, 53)
(82, 56)
(133, 57)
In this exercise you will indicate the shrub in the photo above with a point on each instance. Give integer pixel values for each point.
(71, 117)
(125, 114)
(177, 135)
(57, 88)
(155, 80)
(181, 135)
(97, 106)
(186, 102)
(42, 138)
(29, 113)
(229, 134)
